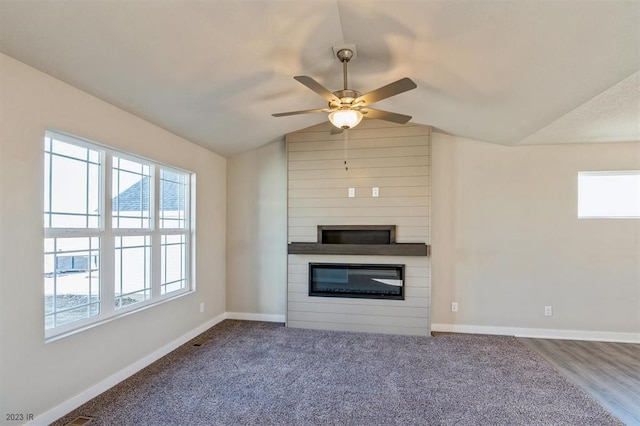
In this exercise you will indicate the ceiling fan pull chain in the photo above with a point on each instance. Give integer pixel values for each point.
(345, 139)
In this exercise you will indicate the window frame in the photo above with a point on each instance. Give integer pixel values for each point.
(107, 234)
(612, 173)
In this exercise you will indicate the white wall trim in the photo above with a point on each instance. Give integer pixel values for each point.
(72, 403)
(540, 333)
(249, 316)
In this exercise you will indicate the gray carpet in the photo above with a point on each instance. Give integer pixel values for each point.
(263, 373)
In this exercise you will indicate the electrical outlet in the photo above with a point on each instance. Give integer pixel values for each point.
(201, 307)
(375, 191)
(352, 192)
(548, 311)
(454, 306)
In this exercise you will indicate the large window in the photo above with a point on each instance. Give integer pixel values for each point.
(117, 233)
(609, 194)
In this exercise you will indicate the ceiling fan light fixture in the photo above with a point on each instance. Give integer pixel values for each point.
(344, 106)
(345, 118)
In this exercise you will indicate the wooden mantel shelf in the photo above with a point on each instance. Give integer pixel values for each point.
(396, 249)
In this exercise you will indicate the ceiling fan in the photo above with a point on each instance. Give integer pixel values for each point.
(347, 107)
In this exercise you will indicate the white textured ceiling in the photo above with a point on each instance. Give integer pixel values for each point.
(507, 72)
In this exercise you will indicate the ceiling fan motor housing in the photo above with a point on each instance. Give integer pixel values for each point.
(346, 97)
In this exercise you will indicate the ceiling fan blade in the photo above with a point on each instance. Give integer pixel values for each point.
(317, 87)
(385, 115)
(305, 111)
(335, 131)
(391, 89)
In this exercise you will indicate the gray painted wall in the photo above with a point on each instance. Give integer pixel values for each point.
(507, 240)
(257, 228)
(36, 376)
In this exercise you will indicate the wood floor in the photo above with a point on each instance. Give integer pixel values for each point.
(609, 372)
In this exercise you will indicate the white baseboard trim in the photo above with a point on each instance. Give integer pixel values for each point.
(71, 404)
(540, 333)
(248, 316)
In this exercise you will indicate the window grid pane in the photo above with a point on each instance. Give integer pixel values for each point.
(173, 269)
(132, 270)
(71, 280)
(173, 197)
(71, 185)
(131, 189)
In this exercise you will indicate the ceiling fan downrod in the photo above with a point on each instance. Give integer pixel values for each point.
(345, 56)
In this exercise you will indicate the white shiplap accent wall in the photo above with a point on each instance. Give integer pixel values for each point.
(394, 158)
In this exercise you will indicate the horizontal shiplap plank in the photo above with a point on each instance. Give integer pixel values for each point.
(360, 182)
(346, 318)
(359, 202)
(297, 268)
(392, 191)
(295, 231)
(328, 212)
(335, 145)
(361, 133)
(311, 237)
(423, 239)
(414, 302)
(304, 238)
(403, 151)
(298, 278)
(334, 308)
(411, 231)
(373, 172)
(423, 330)
(422, 292)
(421, 272)
(348, 220)
(359, 163)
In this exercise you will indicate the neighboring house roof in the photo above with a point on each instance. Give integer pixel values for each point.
(136, 197)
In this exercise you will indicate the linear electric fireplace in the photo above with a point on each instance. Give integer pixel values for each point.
(356, 280)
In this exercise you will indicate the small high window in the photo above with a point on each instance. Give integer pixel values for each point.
(117, 232)
(609, 194)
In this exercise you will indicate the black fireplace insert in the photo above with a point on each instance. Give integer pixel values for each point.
(356, 280)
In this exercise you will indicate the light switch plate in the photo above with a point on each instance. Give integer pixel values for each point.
(375, 191)
(352, 192)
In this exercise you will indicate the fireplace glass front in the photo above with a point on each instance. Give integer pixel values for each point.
(356, 280)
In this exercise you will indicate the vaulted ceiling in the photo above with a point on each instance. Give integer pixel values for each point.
(213, 71)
